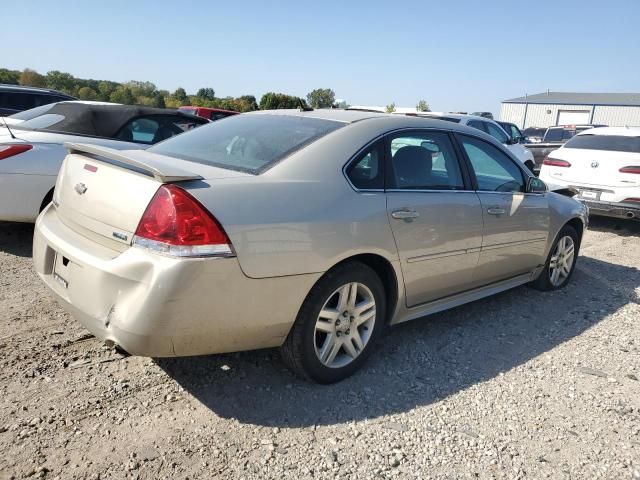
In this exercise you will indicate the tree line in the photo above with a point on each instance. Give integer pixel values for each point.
(146, 93)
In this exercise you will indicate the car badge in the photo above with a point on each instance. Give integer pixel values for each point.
(595, 164)
(80, 188)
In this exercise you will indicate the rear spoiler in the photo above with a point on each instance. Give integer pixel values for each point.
(161, 170)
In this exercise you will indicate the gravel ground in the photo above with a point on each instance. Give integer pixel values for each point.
(521, 385)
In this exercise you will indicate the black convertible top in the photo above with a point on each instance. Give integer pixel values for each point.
(98, 120)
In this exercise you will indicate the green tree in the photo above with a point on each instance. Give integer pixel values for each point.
(423, 106)
(141, 89)
(105, 89)
(206, 93)
(391, 107)
(321, 98)
(180, 94)
(122, 95)
(250, 102)
(158, 100)
(10, 77)
(87, 93)
(31, 78)
(273, 101)
(61, 81)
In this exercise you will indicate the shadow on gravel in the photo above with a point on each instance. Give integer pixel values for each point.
(16, 238)
(419, 363)
(623, 228)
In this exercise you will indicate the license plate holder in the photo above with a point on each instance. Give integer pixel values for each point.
(60, 269)
(589, 195)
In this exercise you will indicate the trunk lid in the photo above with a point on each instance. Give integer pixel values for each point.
(595, 167)
(102, 193)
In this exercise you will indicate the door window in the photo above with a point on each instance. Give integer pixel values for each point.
(477, 124)
(424, 161)
(366, 172)
(494, 170)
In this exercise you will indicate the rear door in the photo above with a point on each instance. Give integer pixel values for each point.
(435, 217)
(516, 223)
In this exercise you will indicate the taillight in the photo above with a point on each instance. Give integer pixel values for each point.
(7, 151)
(177, 224)
(554, 162)
(631, 200)
(630, 169)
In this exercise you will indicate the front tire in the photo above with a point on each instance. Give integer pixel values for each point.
(561, 261)
(338, 324)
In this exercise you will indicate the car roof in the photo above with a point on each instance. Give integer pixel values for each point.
(381, 122)
(618, 131)
(335, 114)
(23, 88)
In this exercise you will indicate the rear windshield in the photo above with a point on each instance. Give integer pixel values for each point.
(33, 112)
(558, 135)
(613, 143)
(248, 143)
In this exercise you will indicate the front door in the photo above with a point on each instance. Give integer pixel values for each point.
(436, 219)
(516, 223)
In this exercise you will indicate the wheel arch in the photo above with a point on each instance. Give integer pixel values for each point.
(387, 274)
(578, 225)
(46, 200)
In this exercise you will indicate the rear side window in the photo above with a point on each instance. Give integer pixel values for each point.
(248, 143)
(612, 143)
(366, 172)
(558, 134)
(19, 100)
(497, 132)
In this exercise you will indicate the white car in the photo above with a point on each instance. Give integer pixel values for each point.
(603, 165)
(32, 148)
(492, 128)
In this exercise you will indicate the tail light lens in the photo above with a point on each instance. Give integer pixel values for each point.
(553, 162)
(177, 224)
(631, 200)
(631, 169)
(7, 151)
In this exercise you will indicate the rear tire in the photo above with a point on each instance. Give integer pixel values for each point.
(561, 261)
(338, 324)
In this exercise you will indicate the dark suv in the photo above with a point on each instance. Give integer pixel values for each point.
(15, 98)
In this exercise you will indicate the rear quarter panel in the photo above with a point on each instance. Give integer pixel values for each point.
(301, 216)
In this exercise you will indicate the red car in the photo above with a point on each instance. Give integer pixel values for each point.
(208, 113)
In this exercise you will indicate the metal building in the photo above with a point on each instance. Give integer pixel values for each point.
(569, 108)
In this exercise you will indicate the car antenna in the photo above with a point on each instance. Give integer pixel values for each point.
(7, 125)
(303, 107)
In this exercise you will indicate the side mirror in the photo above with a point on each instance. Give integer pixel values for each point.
(535, 185)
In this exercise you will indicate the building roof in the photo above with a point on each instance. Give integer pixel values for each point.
(580, 98)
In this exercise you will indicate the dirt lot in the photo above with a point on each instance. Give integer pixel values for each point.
(521, 385)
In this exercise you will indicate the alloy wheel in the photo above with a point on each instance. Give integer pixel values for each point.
(561, 261)
(345, 325)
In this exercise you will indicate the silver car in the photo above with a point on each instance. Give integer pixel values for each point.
(309, 231)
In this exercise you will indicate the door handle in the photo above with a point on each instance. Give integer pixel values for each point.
(404, 214)
(495, 211)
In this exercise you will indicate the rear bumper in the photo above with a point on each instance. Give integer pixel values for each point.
(613, 209)
(160, 306)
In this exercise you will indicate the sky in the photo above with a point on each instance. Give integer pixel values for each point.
(460, 55)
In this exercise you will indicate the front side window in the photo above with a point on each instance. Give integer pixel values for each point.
(366, 172)
(424, 161)
(494, 170)
(249, 143)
